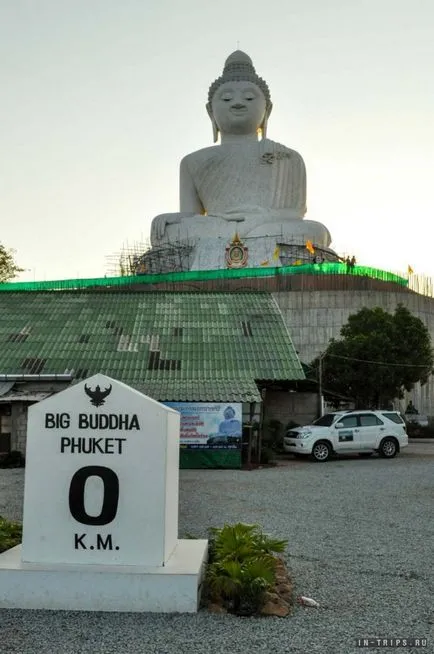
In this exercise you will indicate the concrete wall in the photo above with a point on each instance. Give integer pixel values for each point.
(5, 428)
(19, 426)
(19, 408)
(301, 408)
(314, 317)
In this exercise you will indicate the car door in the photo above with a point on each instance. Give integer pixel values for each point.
(371, 426)
(347, 430)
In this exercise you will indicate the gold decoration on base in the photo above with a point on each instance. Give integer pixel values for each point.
(237, 253)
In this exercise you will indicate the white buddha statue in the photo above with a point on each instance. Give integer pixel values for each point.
(252, 187)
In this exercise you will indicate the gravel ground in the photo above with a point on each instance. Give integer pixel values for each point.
(361, 542)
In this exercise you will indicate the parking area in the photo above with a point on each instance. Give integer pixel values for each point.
(360, 541)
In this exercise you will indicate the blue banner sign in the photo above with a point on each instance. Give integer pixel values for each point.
(210, 425)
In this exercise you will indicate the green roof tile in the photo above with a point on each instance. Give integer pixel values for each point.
(173, 346)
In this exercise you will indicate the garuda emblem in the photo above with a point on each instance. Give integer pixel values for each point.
(97, 396)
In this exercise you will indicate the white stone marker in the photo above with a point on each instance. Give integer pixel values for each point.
(100, 525)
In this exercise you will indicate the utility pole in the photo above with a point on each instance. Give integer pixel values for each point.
(320, 398)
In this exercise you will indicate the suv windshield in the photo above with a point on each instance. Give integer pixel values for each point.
(325, 421)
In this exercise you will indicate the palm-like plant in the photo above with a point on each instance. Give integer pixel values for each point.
(242, 566)
(240, 541)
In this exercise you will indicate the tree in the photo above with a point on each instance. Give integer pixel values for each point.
(378, 357)
(8, 268)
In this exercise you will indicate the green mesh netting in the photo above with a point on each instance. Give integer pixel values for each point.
(204, 275)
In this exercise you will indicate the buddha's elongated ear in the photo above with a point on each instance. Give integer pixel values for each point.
(264, 123)
(215, 129)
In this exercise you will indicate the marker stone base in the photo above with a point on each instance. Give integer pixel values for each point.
(174, 588)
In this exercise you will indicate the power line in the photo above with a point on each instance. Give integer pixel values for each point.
(377, 363)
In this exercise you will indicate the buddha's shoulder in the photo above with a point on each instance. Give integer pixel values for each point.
(201, 155)
(274, 146)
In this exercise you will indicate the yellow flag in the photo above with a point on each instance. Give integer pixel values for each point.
(276, 253)
(410, 270)
(310, 247)
(265, 263)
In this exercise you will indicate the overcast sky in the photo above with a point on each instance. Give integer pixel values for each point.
(100, 99)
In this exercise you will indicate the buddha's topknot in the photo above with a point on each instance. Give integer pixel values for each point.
(239, 68)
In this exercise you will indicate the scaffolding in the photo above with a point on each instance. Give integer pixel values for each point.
(142, 259)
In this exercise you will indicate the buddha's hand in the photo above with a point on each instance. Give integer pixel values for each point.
(232, 217)
(159, 224)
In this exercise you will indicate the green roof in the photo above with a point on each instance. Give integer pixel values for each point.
(239, 390)
(172, 346)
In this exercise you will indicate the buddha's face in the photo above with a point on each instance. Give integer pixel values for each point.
(238, 108)
(229, 413)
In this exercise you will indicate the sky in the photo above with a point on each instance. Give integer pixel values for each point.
(100, 100)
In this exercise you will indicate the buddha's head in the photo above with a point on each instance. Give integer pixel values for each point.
(239, 101)
(229, 413)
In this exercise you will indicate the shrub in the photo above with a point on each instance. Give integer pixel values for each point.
(242, 566)
(10, 534)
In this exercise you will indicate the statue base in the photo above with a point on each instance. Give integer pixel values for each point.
(173, 588)
(215, 254)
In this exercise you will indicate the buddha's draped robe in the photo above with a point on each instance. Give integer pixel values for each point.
(249, 178)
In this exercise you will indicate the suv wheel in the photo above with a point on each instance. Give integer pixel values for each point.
(388, 448)
(321, 451)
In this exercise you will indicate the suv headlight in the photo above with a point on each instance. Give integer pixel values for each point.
(304, 434)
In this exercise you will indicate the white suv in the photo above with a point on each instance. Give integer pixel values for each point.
(361, 432)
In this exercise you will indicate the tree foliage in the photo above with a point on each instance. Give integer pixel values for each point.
(8, 267)
(378, 357)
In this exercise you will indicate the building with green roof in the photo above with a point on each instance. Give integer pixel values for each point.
(172, 346)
